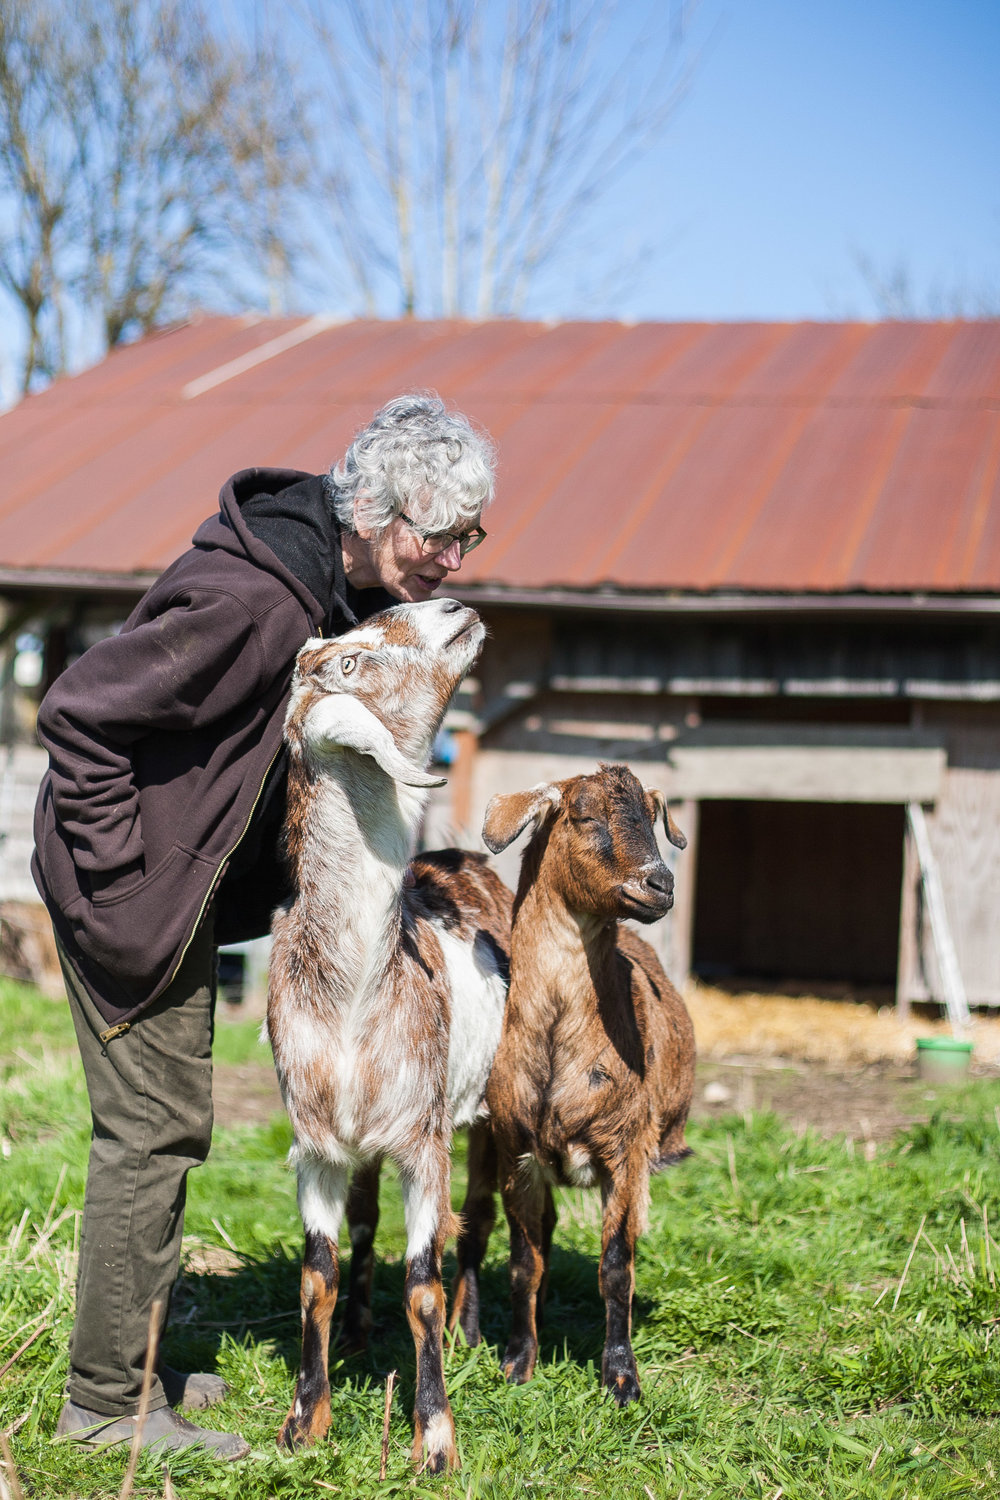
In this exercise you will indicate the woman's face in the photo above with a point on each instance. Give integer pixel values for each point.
(402, 567)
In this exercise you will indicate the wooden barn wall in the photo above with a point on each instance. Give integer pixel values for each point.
(21, 770)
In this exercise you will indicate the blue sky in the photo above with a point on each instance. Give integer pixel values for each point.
(811, 132)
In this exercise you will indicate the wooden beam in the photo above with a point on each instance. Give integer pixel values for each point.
(806, 764)
(462, 773)
(681, 918)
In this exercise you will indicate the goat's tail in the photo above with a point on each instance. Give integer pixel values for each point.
(669, 1159)
(455, 1225)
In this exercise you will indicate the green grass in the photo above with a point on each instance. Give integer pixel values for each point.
(780, 1345)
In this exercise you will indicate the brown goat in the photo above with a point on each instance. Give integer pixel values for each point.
(593, 1077)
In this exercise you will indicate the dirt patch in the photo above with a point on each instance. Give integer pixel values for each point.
(245, 1093)
(841, 1067)
(867, 1104)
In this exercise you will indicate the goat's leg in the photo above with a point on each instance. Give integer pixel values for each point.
(549, 1217)
(322, 1192)
(619, 1233)
(478, 1217)
(362, 1221)
(427, 1205)
(524, 1192)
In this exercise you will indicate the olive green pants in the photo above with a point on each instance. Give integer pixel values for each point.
(151, 1101)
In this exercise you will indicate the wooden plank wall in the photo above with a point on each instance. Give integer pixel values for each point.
(21, 770)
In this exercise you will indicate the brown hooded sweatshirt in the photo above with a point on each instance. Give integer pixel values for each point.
(165, 746)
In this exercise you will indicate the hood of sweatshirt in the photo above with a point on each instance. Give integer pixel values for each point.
(282, 519)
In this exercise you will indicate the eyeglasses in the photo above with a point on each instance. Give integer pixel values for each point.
(433, 542)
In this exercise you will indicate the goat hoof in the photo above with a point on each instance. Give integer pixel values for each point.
(296, 1434)
(443, 1457)
(291, 1436)
(469, 1329)
(518, 1365)
(624, 1387)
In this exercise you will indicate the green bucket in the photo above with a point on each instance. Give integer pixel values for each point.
(943, 1059)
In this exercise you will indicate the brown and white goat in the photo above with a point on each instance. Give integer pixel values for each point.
(386, 997)
(593, 1077)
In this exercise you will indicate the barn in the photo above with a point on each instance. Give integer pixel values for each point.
(758, 562)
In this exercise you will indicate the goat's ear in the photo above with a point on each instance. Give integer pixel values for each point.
(659, 807)
(509, 814)
(339, 719)
(308, 659)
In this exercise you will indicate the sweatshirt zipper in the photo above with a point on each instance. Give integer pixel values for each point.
(225, 860)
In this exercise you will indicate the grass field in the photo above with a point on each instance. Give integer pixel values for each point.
(812, 1318)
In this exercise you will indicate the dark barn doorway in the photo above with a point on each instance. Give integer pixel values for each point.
(798, 892)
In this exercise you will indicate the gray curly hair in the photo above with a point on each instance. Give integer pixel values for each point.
(414, 452)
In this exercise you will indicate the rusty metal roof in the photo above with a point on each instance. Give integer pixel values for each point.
(766, 458)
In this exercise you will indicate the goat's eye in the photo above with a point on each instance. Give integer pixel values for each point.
(347, 665)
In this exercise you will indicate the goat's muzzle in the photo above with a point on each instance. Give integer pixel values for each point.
(465, 623)
(650, 896)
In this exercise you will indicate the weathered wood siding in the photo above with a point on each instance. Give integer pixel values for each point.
(964, 828)
(21, 770)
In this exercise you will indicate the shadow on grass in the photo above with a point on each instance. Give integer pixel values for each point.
(257, 1302)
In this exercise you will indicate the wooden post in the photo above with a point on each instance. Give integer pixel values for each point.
(908, 953)
(944, 947)
(462, 771)
(685, 869)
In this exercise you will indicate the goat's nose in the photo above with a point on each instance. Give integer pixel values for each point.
(659, 880)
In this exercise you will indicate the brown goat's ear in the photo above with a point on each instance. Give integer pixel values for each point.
(509, 814)
(659, 805)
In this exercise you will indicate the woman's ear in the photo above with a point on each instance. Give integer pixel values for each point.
(359, 511)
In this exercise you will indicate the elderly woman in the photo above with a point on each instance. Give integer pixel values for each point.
(157, 832)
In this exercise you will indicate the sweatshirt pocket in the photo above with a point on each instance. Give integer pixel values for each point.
(133, 932)
(107, 886)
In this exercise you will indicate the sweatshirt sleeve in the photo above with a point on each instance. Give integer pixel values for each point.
(191, 664)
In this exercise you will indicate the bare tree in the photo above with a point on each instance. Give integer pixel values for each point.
(895, 294)
(146, 162)
(38, 175)
(470, 140)
(190, 153)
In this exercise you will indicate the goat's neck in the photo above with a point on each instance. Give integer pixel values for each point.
(559, 943)
(357, 838)
(566, 985)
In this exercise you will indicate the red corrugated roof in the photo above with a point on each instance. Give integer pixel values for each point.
(764, 457)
